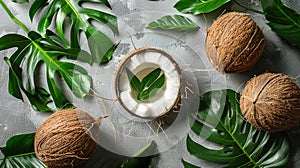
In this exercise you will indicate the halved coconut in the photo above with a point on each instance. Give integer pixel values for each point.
(141, 62)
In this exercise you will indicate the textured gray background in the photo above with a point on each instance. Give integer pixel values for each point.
(17, 117)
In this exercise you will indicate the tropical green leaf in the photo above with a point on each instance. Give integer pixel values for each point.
(150, 78)
(173, 22)
(142, 158)
(71, 14)
(19, 152)
(151, 90)
(134, 82)
(283, 20)
(39, 100)
(149, 85)
(23, 65)
(220, 121)
(199, 6)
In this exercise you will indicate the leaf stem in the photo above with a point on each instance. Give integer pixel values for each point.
(248, 8)
(17, 21)
(2, 158)
(236, 141)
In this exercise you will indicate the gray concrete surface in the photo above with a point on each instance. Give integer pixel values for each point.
(187, 47)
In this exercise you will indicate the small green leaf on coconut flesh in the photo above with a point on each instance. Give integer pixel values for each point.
(149, 85)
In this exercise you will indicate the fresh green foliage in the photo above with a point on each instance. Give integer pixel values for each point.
(142, 158)
(177, 22)
(19, 152)
(149, 85)
(134, 82)
(283, 20)
(71, 14)
(199, 6)
(220, 121)
(23, 66)
(205, 6)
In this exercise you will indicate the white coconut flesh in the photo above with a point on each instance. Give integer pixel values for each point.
(141, 64)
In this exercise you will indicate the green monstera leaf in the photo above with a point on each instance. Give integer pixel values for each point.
(19, 152)
(71, 14)
(219, 120)
(23, 67)
(283, 20)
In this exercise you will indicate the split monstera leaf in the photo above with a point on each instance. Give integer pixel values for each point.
(48, 48)
(220, 121)
(101, 47)
(34, 50)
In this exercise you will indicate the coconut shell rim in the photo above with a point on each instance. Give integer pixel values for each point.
(120, 68)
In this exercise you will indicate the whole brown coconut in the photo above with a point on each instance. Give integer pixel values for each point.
(234, 43)
(67, 139)
(271, 102)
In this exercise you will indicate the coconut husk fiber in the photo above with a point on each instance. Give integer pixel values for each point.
(234, 43)
(271, 102)
(67, 139)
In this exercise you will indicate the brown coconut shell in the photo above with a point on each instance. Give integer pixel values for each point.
(234, 43)
(67, 139)
(121, 68)
(271, 102)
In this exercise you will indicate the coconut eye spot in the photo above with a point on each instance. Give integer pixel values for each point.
(148, 83)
